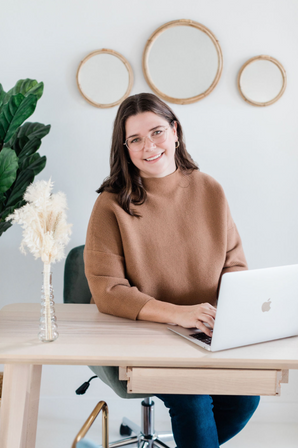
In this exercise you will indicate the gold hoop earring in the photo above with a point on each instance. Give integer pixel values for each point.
(178, 143)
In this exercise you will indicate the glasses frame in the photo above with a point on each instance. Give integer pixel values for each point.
(144, 140)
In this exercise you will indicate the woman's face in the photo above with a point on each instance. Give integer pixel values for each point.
(141, 125)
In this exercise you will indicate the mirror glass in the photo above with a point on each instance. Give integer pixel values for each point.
(182, 63)
(261, 81)
(104, 79)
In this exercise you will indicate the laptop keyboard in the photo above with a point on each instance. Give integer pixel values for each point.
(202, 337)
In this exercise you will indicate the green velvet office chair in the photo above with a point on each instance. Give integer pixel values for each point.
(76, 290)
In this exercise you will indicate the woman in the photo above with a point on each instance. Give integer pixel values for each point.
(159, 239)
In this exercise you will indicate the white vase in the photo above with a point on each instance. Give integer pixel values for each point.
(47, 322)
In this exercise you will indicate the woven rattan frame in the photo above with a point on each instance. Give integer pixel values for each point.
(283, 73)
(130, 75)
(151, 40)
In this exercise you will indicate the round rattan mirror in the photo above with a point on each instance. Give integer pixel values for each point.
(104, 78)
(182, 61)
(262, 80)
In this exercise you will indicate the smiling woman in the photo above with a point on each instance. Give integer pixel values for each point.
(140, 118)
(159, 239)
(153, 154)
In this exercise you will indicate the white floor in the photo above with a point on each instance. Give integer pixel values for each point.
(60, 434)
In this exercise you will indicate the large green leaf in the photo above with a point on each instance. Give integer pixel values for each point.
(25, 178)
(30, 148)
(25, 87)
(29, 161)
(2, 200)
(17, 144)
(14, 113)
(25, 133)
(2, 95)
(9, 210)
(8, 168)
(36, 163)
(34, 130)
(6, 114)
(4, 226)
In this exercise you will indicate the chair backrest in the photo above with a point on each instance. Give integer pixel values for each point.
(76, 289)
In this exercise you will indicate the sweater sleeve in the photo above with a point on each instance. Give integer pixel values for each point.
(235, 258)
(105, 266)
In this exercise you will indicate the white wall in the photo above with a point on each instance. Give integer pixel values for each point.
(251, 151)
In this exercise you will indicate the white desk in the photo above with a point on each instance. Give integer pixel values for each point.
(152, 359)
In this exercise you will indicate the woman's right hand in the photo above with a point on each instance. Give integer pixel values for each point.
(187, 316)
(196, 316)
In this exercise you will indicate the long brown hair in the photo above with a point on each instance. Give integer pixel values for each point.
(125, 179)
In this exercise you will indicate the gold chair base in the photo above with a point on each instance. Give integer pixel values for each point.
(145, 436)
(101, 406)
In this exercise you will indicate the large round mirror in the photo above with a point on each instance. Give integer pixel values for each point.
(182, 61)
(104, 78)
(262, 80)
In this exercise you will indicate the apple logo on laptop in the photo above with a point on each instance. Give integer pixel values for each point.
(266, 305)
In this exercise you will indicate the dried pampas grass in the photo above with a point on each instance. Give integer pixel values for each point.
(43, 219)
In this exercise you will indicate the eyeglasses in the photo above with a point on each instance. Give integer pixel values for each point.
(158, 135)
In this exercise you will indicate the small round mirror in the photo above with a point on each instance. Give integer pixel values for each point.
(182, 61)
(262, 80)
(104, 78)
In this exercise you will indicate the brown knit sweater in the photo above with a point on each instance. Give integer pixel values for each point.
(176, 252)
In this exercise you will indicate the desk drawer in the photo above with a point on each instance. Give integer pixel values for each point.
(203, 381)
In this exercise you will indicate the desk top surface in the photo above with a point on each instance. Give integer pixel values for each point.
(88, 337)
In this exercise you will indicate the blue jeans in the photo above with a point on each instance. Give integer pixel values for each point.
(205, 421)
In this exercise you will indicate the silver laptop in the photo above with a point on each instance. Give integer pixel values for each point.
(253, 306)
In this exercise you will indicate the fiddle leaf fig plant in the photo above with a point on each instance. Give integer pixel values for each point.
(19, 143)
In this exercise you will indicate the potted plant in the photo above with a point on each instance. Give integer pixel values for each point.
(19, 143)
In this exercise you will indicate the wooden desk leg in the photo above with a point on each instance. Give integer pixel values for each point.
(19, 407)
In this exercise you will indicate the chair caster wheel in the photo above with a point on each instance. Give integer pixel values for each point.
(125, 430)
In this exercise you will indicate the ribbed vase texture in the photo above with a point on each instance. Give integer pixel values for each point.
(47, 323)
